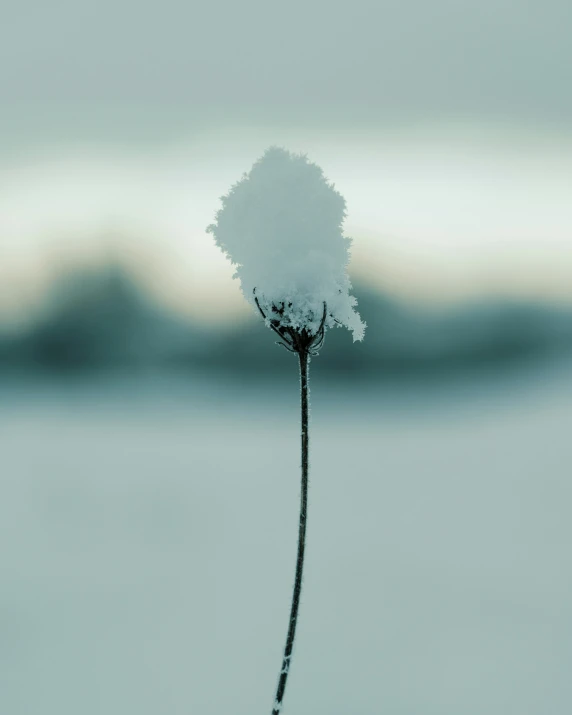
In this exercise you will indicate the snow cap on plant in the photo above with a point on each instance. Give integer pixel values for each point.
(281, 226)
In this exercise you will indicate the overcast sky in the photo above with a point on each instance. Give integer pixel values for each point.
(446, 124)
(325, 61)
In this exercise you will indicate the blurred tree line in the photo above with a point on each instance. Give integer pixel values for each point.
(103, 319)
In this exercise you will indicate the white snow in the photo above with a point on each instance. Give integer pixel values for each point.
(281, 226)
(149, 545)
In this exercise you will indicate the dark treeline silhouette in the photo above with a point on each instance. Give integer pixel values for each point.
(104, 319)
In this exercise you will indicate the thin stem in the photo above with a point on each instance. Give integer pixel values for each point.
(287, 659)
(272, 324)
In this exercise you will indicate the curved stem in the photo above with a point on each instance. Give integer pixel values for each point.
(287, 659)
(277, 330)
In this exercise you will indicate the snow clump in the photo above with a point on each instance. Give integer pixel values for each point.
(281, 227)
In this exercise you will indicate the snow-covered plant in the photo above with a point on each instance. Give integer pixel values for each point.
(281, 226)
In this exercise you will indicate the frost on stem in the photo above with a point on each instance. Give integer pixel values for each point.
(281, 227)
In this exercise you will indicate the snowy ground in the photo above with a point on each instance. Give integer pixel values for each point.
(148, 537)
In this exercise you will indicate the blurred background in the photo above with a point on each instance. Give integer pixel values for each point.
(149, 461)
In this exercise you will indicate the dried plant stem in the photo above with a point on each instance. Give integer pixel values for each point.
(303, 354)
